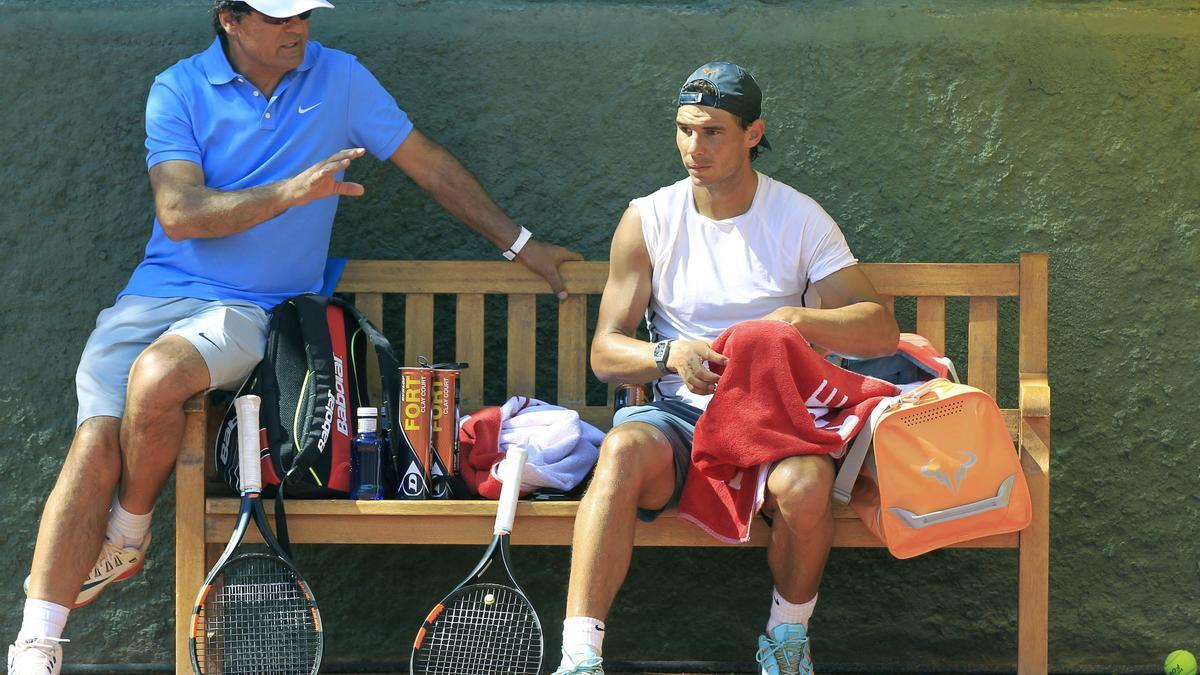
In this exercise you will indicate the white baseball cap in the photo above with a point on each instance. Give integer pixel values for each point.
(281, 9)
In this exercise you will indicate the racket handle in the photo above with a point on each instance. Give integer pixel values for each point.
(511, 471)
(249, 447)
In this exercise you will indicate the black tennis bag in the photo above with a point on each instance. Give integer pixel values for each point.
(312, 378)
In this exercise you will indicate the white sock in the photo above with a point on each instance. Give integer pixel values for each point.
(580, 632)
(131, 527)
(783, 611)
(43, 619)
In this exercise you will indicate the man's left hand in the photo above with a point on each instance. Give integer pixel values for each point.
(544, 259)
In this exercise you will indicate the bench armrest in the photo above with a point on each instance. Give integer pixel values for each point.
(1034, 396)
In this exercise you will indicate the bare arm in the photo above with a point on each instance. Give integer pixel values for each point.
(617, 355)
(854, 321)
(187, 209)
(441, 175)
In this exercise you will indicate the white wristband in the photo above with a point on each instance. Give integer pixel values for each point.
(519, 244)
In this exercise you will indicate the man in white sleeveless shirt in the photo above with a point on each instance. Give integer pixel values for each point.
(726, 244)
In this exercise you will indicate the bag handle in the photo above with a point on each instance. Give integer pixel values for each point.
(843, 485)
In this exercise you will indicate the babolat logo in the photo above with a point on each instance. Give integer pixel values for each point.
(339, 387)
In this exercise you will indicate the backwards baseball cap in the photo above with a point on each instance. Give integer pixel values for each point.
(281, 9)
(735, 92)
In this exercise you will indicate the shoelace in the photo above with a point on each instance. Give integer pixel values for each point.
(789, 655)
(582, 666)
(111, 555)
(44, 646)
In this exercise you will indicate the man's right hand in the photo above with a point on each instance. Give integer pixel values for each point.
(318, 181)
(687, 359)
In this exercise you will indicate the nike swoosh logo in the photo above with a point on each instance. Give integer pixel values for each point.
(210, 340)
(303, 110)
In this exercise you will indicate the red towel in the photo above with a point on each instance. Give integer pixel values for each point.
(777, 398)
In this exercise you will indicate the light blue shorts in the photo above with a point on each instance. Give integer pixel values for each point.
(229, 334)
(677, 421)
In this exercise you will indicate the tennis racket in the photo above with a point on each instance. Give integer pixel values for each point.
(485, 628)
(254, 614)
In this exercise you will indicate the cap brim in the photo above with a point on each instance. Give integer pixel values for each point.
(284, 8)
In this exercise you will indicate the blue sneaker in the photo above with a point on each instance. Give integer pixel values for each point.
(785, 651)
(587, 663)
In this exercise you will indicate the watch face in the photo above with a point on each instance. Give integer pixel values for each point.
(660, 350)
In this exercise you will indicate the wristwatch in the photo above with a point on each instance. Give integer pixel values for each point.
(662, 350)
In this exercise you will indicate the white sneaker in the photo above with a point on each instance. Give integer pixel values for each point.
(118, 561)
(586, 663)
(35, 656)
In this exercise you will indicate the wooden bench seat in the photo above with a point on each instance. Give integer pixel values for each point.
(206, 508)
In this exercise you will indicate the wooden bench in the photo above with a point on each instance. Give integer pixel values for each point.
(205, 509)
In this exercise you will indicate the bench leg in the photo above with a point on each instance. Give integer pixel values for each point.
(1034, 558)
(189, 525)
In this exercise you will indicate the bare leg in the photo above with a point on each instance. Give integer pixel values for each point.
(76, 512)
(139, 452)
(798, 502)
(636, 469)
(166, 375)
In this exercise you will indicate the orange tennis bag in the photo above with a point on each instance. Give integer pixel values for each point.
(933, 467)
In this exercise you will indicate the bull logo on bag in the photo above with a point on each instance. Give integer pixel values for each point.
(932, 469)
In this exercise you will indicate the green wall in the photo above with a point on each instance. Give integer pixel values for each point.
(930, 130)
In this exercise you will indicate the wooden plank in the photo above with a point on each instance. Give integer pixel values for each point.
(189, 520)
(554, 527)
(955, 279)
(446, 276)
(418, 327)
(522, 345)
(371, 305)
(1035, 288)
(931, 320)
(981, 344)
(1033, 566)
(436, 276)
(572, 352)
(889, 301)
(468, 336)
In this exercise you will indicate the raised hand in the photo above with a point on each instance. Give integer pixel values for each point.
(318, 181)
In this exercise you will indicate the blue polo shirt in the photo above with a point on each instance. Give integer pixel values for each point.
(200, 110)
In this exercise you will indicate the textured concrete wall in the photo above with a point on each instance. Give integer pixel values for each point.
(930, 130)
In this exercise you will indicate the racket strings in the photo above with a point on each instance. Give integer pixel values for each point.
(258, 618)
(485, 630)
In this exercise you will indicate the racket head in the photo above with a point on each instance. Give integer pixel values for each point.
(479, 629)
(256, 614)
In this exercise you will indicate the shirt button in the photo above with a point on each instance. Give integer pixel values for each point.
(241, 80)
(256, 94)
(267, 115)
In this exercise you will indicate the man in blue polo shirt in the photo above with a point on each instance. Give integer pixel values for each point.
(247, 144)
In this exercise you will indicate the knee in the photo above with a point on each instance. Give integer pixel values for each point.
(96, 448)
(630, 453)
(800, 490)
(166, 375)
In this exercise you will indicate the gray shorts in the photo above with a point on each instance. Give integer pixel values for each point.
(677, 421)
(229, 334)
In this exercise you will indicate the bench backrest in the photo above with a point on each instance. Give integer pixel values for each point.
(983, 284)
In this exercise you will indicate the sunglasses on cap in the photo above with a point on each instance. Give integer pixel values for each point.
(276, 21)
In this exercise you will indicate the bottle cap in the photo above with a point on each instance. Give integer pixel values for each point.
(368, 412)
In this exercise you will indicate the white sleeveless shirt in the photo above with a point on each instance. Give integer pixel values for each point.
(710, 274)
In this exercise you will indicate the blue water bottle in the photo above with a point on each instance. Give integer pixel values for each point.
(366, 458)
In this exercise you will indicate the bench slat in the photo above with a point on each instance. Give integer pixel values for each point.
(926, 279)
(572, 352)
(981, 344)
(418, 327)
(468, 338)
(522, 345)
(471, 522)
(457, 276)
(931, 320)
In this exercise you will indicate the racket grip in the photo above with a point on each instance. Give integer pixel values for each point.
(249, 447)
(511, 469)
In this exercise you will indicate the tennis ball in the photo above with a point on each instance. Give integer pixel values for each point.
(1180, 662)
